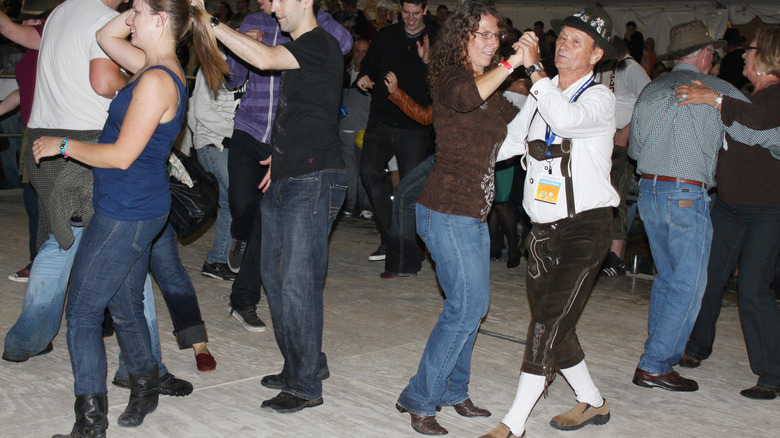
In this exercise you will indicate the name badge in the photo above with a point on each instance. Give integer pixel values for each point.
(548, 189)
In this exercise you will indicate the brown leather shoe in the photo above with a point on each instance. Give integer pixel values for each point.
(670, 382)
(467, 409)
(424, 424)
(760, 393)
(501, 431)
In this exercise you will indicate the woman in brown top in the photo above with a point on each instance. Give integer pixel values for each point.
(470, 119)
(745, 220)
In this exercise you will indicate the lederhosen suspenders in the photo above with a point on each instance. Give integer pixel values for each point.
(544, 150)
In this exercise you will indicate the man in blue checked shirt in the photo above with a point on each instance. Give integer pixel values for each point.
(676, 148)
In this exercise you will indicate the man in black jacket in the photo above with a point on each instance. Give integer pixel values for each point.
(389, 131)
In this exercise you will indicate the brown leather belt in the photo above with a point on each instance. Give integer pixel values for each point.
(672, 179)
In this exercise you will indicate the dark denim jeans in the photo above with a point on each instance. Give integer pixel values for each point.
(177, 289)
(748, 235)
(109, 271)
(678, 226)
(297, 216)
(380, 143)
(460, 246)
(405, 252)
(245, 199)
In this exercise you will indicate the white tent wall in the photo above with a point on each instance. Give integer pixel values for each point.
(653, 18)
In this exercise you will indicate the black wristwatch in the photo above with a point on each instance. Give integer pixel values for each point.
(214, 21)
(537, 66)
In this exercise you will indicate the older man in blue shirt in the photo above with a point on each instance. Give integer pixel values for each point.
(676, 148)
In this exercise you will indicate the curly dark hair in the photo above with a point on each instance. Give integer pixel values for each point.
(450, 47)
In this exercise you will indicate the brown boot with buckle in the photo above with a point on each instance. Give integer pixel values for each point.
(466, 408)
(424, 424)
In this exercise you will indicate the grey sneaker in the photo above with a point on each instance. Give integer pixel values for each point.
(236, 255)
(220, 271)
(248, 319)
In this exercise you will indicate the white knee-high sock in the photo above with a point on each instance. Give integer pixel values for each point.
(580, 380)
(529, 389)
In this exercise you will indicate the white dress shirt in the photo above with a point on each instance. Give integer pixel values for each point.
(589, 123)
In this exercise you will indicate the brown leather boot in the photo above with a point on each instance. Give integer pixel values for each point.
(424, 424)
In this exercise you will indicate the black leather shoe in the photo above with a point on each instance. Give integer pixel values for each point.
(760, 393)
(144, 396)
(169, 385)
(274, 381)
(688, 361)
(91, 416)
(670, 382)
(173, 386)
(286, 403)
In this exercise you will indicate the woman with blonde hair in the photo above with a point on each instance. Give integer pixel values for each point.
(131, 197)
(745, 220)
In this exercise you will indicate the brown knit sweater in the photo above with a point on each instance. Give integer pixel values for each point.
(469, 132)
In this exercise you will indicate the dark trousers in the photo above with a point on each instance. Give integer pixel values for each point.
(31, 206)
(380, 143)
(245, 174)
(748, 235)
(563, 262)
(405, 252)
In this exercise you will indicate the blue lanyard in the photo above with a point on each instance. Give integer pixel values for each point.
(549, 137)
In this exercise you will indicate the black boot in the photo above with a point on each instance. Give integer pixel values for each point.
(144, 394)
(91, 416)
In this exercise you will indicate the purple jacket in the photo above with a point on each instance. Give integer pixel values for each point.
(257, 110)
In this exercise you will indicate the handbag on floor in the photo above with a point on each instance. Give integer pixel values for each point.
(194, 195)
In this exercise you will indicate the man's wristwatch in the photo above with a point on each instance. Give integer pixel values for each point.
(537, 66)
(214, 21)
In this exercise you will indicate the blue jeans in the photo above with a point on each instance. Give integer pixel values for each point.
(380, 143)
(678, 226)
(297, 216)
(404, 252)
(460, 246)
(215, 162)
(356, 199)
(39, 320)
(750, 235)
(109, 271)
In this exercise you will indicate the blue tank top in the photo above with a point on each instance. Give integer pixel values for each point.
(142, 191)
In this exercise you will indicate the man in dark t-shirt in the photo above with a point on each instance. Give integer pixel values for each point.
(305, 189)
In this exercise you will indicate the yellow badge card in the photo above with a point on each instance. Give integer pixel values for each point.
(548, 189)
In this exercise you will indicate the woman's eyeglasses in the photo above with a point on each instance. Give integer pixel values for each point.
(489, 35)
(749, 48)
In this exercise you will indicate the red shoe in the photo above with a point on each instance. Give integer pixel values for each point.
(206, 362)
(22, 275)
